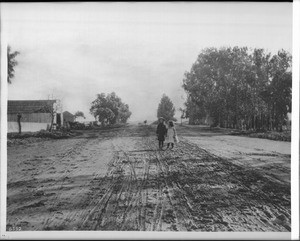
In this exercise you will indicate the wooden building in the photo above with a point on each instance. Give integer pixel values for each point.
(68, 117)
(36, 115)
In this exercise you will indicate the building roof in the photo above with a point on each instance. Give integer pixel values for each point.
(29, 106)
(67, 113)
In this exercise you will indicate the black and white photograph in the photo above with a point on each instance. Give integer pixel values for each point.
(160, 117)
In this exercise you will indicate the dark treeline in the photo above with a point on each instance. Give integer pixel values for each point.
(239, 88)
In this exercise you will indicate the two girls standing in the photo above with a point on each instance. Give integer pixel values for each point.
(169, 132)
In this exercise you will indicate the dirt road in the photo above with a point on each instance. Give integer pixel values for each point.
(118, 180)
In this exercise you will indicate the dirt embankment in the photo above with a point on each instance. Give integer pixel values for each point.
(118, 180)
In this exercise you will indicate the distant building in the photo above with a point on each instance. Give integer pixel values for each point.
(68, 117)
(36, 115)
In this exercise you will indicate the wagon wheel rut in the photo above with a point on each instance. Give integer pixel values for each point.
(119, 180)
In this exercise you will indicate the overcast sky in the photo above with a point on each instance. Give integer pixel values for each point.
(138, 50)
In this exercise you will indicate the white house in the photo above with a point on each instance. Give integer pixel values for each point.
(36, 115)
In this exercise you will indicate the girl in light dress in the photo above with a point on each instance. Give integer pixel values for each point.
(171, 135)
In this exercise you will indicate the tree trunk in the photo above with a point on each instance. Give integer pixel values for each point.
(51, 125)
(227, 123)
(20, 127)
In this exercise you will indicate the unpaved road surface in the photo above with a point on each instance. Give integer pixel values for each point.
(118, 180)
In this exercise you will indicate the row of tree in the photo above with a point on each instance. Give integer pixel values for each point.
(228, 87)
(239, 88)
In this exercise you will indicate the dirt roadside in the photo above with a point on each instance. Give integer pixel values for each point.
(118, 180)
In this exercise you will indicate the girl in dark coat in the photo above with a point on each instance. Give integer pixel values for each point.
(161, 132)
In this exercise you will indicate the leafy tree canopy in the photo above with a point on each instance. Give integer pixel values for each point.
(237, 86)
(166, 108)
(11, 63)
(79, 114)
(109, 109)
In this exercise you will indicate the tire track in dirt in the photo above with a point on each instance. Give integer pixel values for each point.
(38, 192)
(54, 207)
(135, 198)
(130, 185)
(189, 189)
(65, 182)
(241, 183)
